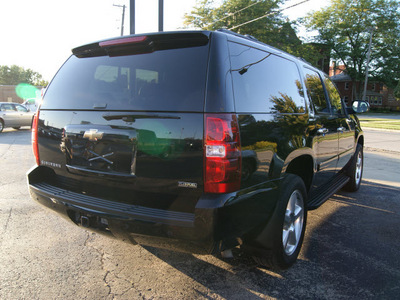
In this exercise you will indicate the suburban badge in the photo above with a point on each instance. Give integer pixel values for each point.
(190, 185)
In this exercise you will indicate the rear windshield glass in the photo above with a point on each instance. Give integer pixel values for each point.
(167, 80)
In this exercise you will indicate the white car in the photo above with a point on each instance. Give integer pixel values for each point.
(14, 115)
(32, 104)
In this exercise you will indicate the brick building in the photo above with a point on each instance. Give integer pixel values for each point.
(378, 94)
(8, 94)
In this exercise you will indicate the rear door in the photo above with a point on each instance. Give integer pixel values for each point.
(24, 117)
(345, 125)
(324, 129)
(126, 123)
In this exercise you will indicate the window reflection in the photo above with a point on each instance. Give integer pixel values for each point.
(334, 96)
(260, 76)
(316, 91)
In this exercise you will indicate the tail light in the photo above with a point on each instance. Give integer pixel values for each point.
(222, 171)
(35, 148)
(123, 41)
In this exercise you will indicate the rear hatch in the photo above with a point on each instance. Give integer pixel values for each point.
(123, 121)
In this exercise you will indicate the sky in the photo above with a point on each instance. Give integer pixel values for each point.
(39, 34)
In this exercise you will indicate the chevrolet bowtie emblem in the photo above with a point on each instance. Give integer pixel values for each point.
(93, 135)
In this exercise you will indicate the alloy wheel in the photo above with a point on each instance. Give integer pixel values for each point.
(293, 222)
(359, 166)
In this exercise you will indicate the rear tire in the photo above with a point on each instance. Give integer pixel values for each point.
(355, 170)
(1, 125)
(292, 219)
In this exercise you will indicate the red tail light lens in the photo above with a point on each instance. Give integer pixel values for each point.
(222, 154)
(35, 137)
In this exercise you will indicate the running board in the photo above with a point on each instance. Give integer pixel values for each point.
(324, 192)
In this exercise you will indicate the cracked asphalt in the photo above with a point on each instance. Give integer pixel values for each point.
(351, 249)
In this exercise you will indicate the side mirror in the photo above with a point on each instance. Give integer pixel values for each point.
(358, 107)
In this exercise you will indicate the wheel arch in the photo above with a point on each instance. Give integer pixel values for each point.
(302, 166)
(4, 125)
(251, 161)
(360, 140)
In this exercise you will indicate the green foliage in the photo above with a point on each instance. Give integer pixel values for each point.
(346, 27)
(381, 123)
(207, 15)
(263, 145)
(14, 75)
(273, 29)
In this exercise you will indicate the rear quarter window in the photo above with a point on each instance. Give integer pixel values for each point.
(264, 82)
(334, 96)
(315, 91)
(165, 80)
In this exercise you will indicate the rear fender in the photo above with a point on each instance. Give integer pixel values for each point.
(301, 163)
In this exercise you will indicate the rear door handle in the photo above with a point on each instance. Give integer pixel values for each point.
(322, 131)
(341, 129)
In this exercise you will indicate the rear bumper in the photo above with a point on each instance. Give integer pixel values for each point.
(219, 222)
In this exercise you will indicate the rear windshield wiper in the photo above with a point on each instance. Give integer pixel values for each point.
(133, 117)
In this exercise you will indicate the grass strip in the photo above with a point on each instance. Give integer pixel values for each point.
(381, 123)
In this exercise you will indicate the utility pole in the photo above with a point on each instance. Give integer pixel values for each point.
(123, 17)
(160, 15)
(367, 67)
(132, 14)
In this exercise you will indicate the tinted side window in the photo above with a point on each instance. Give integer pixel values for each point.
(334, 96)
(165, 80)
(315, 91)
(264, 82)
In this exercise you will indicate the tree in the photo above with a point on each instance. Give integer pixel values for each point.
(206, 15)
(14, 75)
(346, 26)
(273, 29)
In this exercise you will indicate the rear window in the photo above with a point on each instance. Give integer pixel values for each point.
(167, 80)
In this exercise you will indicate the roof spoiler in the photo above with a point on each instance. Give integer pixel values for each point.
(137, 44)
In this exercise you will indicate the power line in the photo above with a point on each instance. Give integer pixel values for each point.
(268, 14)
(232, 14)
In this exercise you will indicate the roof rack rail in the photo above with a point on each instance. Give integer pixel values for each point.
(251, 37)
(227, 31)
(303, 59)
(247, 36)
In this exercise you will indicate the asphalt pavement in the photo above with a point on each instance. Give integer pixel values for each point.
(351, 249)
(383, 140)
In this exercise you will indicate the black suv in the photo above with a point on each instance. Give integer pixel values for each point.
(194, 141)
